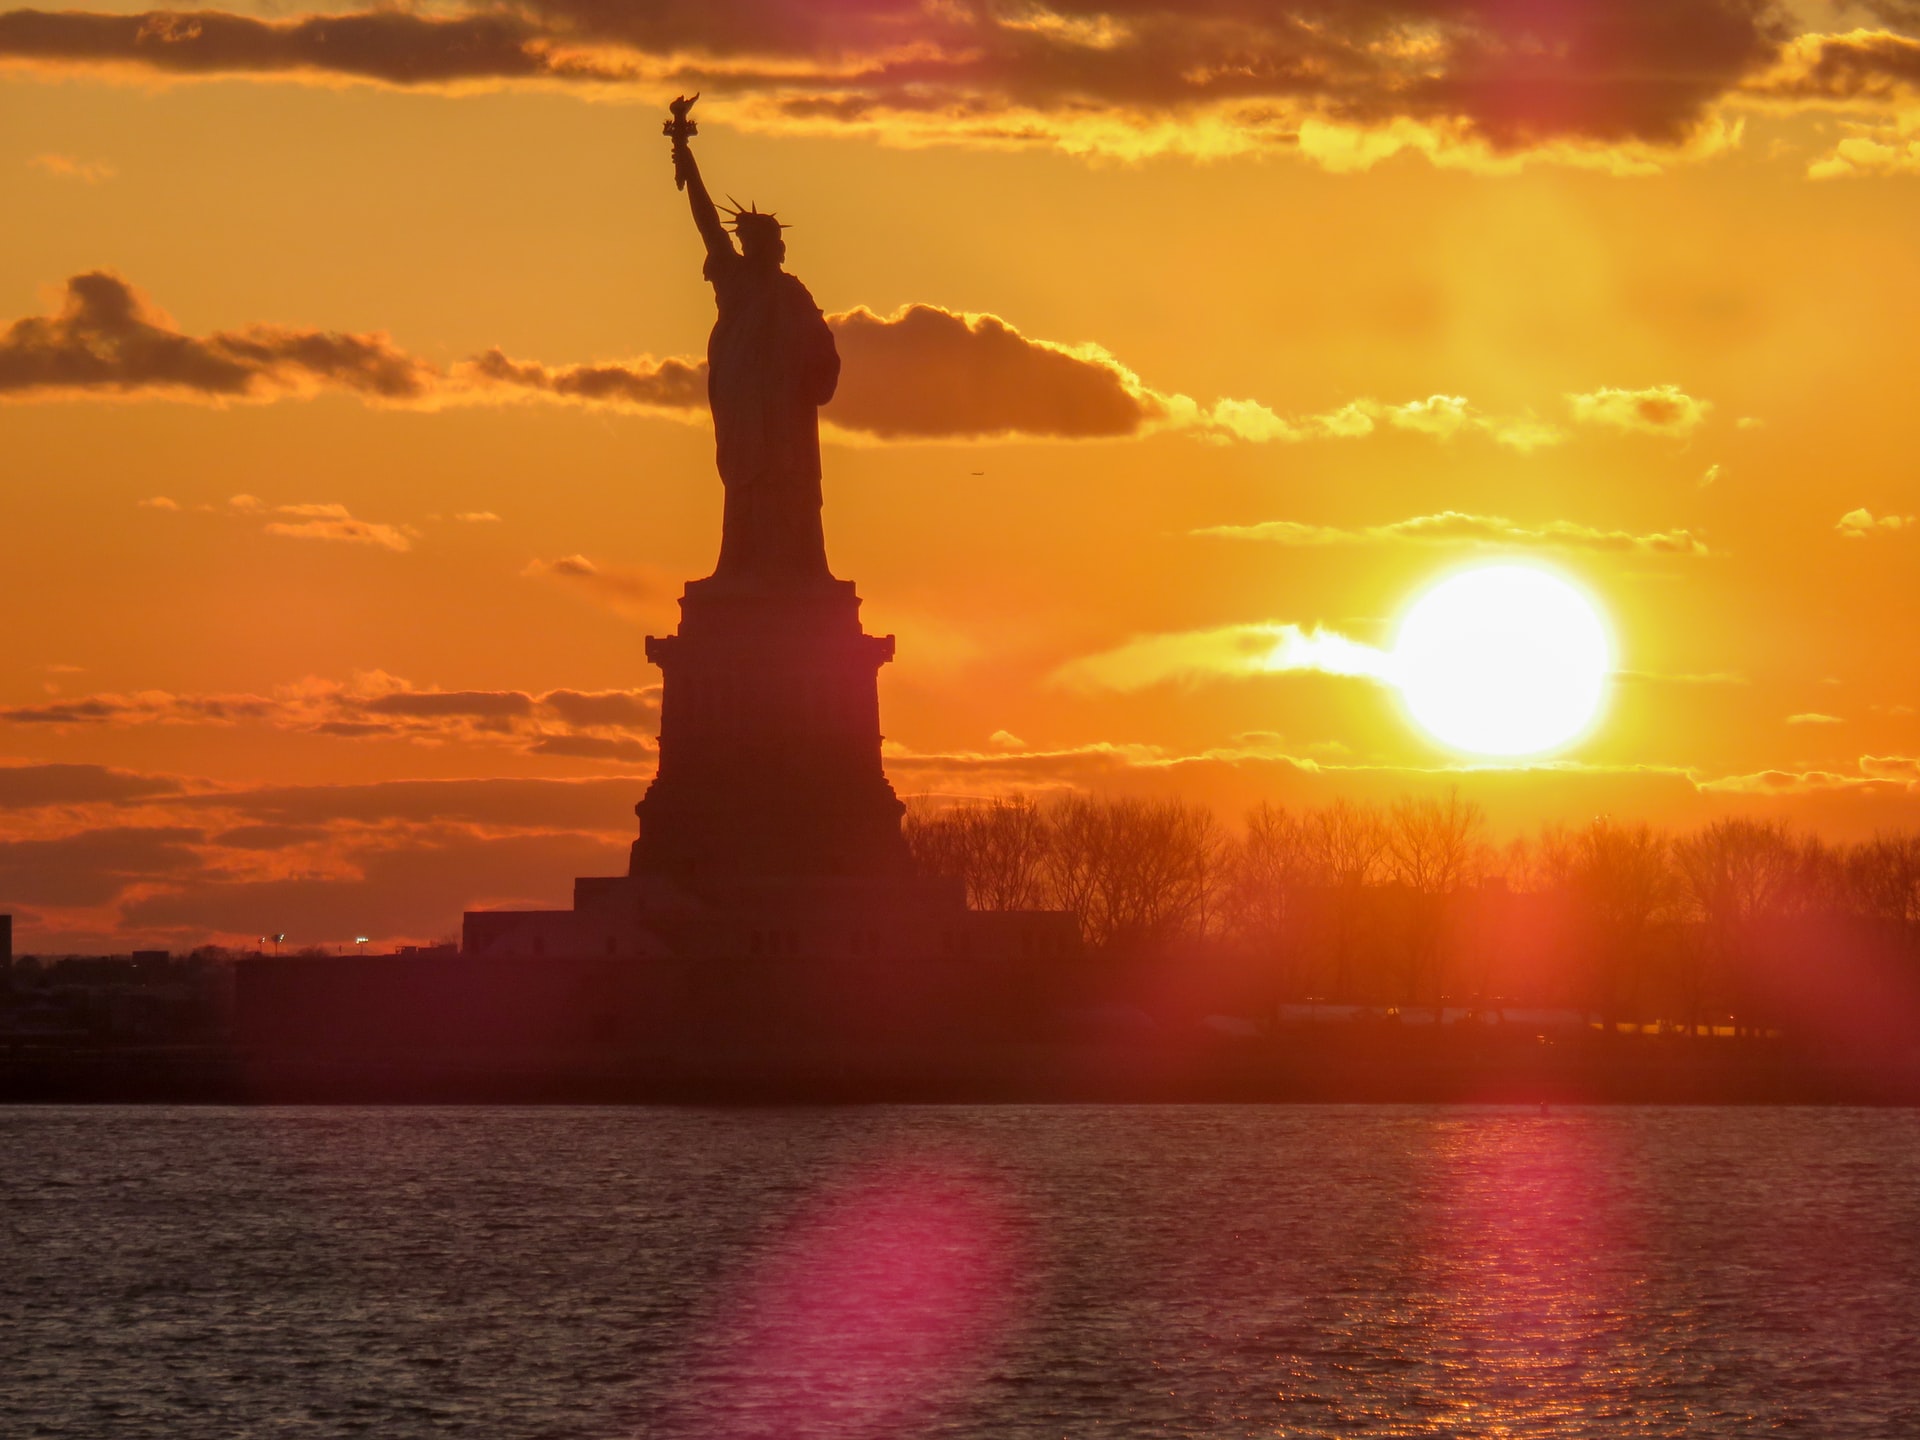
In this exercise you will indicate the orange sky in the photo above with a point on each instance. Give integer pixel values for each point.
(1669, 325)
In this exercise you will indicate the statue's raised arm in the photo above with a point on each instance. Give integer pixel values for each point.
(686, 176)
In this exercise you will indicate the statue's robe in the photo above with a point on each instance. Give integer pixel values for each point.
(771, 365)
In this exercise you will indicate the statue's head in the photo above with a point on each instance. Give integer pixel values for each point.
(759, 234)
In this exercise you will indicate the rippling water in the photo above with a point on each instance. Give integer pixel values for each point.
(1003, 1272)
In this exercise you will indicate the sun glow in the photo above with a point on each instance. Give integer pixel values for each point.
(1503, 660)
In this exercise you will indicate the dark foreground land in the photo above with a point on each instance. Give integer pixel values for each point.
(1321, 1063)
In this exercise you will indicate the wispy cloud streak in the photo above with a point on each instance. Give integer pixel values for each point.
(1453, 527)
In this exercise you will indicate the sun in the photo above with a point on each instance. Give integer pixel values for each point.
(1503, 660)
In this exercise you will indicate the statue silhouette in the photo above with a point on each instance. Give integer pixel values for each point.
(771, 365)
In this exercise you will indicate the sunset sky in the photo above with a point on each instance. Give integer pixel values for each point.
(353, 431)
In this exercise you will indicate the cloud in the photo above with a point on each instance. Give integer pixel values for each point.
(1858, 524)
(268, 837)
(928, 373)
(1814, 717)
(310, 521)
(923, 373)
(600, 804)
(974, 772)
(605, 707)
(1656, 410)
(66, 167)
(632, 593)
(30, 786)
(107, 337)
(391, 46)
(1783, 782)
(477, 517)
(1873, 148)
(1439, 417)
(1851, 68)
(333, 522)
(613, 724)
(436, 704)
(1455, 527)
(92, 867)
(593, 747)
(1889, 775)
(1471, 82)
(673, 385)
(147, 707)
(1267, 648)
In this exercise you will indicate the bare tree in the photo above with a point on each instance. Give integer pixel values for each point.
(1434, 851)
(1078, 836)
(998, 850)
(1621, 884)
(1009, 849)
(935, 839)
(1738, 874)
(1268, 875)
(1138, 873)
(1883, 878)
(1346, 846)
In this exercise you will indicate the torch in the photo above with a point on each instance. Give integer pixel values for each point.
(679, 130)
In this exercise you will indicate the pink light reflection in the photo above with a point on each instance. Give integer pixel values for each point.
(1536, 1319)
(879, 1305)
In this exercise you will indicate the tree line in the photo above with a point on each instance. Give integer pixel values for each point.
(1740, 923)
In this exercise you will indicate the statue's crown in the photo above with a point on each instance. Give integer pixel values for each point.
(750, 217)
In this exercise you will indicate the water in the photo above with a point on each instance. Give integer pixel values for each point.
(947, 1272)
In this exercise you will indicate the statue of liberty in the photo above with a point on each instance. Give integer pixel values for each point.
(771, 365)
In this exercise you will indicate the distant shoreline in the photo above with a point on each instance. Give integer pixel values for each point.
(1311, 1069)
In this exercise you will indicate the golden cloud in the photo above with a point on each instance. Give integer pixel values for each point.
(1858, 524)
(1450, 527)
(1885, 776)
(1264, 648)
(1656, 410)
(67, 167)
(334, 522)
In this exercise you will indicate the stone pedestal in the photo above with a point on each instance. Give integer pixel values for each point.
(769, 740)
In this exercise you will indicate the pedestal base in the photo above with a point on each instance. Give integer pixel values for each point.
(770, 739)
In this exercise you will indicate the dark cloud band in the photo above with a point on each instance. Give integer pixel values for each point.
(1086, 73)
